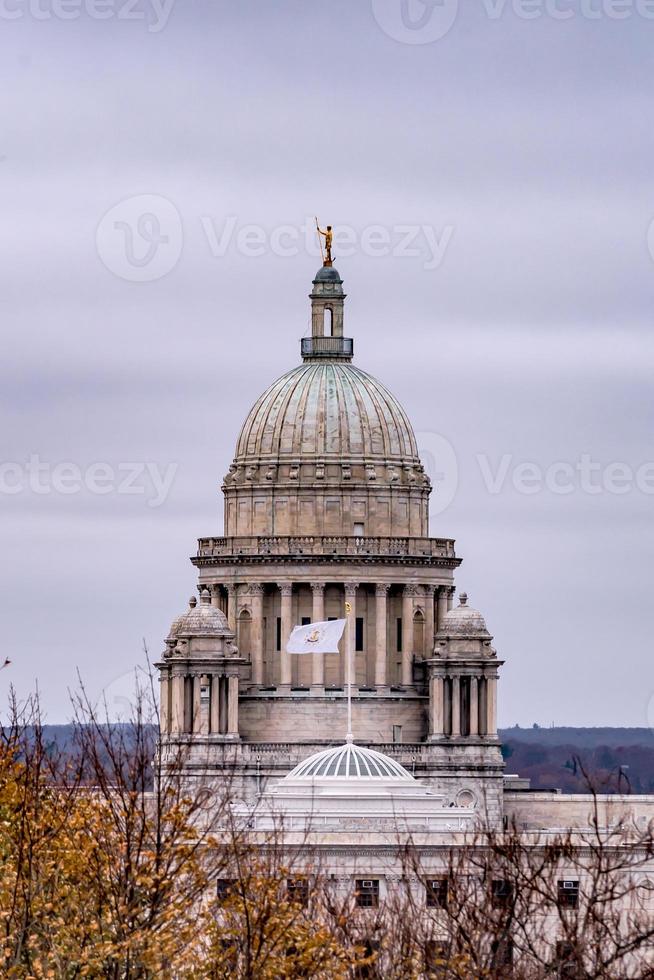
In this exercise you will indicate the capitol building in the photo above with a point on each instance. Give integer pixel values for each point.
(326, 506)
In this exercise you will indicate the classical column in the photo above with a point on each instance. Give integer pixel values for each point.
(436, 706)
(429, 621)
(442, 605)
(456, 707)
(256, 633)
(214, 713)
(196, 710)
(205, 694)
(450, 597)
(351, 597)
(215, 596)
(474, 706)
(491, 706)
(164, 714)
(408, 597)
(178, 703)
(286, 589)
(381, 628)
(232, 705)
(318, 616)
(231, 607)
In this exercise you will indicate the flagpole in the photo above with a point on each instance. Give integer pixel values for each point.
(348, 654)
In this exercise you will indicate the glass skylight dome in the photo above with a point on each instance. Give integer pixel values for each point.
(349, 761)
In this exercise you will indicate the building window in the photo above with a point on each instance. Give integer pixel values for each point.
(568, 894)
(297, 890)
(502, 955)
(224, 888)
(368, 970)
(437, 955)
(278, 640)
(399, 634)
(436, 890)
(358, 634)
(501, 893)
(306, 620)
(566, 961)
(366, 893)
(359, 530)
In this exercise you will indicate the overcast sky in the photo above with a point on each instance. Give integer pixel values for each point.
(490, 171)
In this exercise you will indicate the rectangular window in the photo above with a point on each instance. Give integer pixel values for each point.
(369, 969)
(437, 893)
(502, 954)
(399, 635)
(568, 894)
(224, 887)
(278, 641)
(358, 634)
(566, 961)
(306, 620)
(358, 530)
(501, 893)
(366, 893)
(437, 955)
(297, 890)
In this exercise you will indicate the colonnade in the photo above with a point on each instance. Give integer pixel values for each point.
(198, 702)
(463, 704)
(434, 601)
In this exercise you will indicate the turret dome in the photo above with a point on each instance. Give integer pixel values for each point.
(464, 621)
(200, 619)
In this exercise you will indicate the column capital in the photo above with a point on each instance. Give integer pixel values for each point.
(412, 591)
(256, 588)
(286, 588)
(451, 590)
(351, 588)
(429, 590)
(318, 587)
(231, 588)
(381, 590)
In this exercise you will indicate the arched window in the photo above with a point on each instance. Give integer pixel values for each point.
(328, 322)
(243, 639)
(418, 630)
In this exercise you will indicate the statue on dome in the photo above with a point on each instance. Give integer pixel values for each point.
(327, 235)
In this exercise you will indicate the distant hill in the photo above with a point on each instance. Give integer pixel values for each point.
(614, 759)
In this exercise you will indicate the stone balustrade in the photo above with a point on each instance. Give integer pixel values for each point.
(326, 545)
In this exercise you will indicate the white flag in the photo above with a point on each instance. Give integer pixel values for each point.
(316, 637)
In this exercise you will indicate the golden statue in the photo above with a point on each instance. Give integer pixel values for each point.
(327, 235)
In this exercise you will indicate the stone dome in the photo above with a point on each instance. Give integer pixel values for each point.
(201, 619)
(349, 761)
(464, 620)
(329, 410)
